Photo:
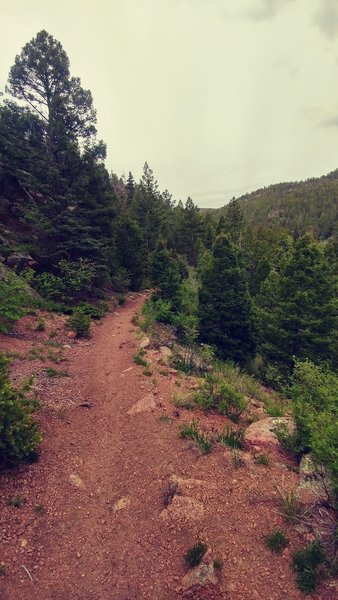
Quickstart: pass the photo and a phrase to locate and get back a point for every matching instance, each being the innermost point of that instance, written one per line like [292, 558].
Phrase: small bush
[183, 400]
[190, 431]
[19, 435]
[94, 311]
[306, 562]
[79, 322]
[121, 299]
[147, 371]
[232, 438]
[262, 459]
[218, 564]
[39, 510]
[15, 501]
[195, 555]
[216, 393]
[41, 325]
[139, 358]
[276, 541]
[290, 506]
[15, 297]
[237, 459]
[54, 373]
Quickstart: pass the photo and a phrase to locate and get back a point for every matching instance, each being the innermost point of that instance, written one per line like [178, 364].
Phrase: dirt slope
[104, 533]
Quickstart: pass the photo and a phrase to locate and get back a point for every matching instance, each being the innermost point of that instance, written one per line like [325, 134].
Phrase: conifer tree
[224, 304]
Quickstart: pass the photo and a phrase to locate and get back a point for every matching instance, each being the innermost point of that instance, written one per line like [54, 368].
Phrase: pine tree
[300, 318]
[224, 304]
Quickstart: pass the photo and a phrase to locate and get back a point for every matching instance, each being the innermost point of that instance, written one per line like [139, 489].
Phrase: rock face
[261, 435]
[20, 261]
[314, 484]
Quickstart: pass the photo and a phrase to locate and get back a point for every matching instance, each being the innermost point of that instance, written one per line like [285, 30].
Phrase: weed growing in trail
[16, 501]
[165, 419]
[190, 431]
[41, 325]
[39, 510]
[276, 541]
[2, 570]
[218, 564]
[237, 459]
[147, 371]
[194, 555]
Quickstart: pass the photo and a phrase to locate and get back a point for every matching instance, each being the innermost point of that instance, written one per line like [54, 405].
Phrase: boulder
[20, 261]
[261, 434]
[146, 404]
[314, 483]
[165, 354]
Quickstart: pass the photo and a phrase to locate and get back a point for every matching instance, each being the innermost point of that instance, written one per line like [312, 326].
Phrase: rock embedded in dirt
[165, 354]
[145, 343]
[201, 578]
[121, 504]
[76, 481]
[183, 508]
[262, 434]
[146, 404]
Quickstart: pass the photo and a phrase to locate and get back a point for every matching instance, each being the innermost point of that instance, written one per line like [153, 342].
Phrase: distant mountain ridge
[294, 206]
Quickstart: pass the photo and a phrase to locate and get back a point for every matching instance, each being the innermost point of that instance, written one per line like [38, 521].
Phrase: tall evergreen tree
[224, 304]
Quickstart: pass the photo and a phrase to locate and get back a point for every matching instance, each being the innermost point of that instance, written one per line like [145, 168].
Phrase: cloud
[265, 9]
[330, 122]
[326, 18]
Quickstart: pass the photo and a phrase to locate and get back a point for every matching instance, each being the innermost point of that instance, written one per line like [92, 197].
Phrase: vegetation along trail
[96, 522]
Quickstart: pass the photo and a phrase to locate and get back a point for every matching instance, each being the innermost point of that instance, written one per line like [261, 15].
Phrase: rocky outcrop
[20, 261]
[261, 434]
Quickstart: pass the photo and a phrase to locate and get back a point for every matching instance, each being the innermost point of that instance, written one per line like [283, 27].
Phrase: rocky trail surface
[94, 524]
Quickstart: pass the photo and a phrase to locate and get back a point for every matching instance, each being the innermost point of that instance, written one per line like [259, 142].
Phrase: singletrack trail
[103, 532]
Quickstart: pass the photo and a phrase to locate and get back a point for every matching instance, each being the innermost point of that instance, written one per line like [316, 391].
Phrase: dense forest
[256, 282]
[294, 207]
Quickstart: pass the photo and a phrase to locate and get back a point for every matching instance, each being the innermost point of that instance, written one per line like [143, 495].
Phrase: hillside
[296, 207]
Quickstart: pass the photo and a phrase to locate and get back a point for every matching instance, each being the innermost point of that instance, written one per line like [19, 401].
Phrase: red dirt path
[107, 538]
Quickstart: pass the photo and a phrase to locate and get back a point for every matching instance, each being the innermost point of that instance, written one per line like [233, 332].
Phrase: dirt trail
[104, 535]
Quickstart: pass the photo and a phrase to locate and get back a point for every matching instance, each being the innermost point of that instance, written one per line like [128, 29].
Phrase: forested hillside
[256, 287]
[297, 207]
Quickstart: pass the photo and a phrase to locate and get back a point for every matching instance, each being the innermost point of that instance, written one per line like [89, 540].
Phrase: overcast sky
[219, 96]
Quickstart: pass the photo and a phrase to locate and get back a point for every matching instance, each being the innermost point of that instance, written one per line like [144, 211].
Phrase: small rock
[145, 343]
[71, 335]
[86, 405]
[76, 481]
[121, 503]
[146, 404]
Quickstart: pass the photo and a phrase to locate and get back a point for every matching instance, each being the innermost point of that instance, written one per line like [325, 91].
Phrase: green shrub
[216, 393]
[191, 431]
[16, 501]
[276, 541]
[306, 562]
[195, 555]
[79, 322]
[232, 438]
[94, 311]
[262, 459]
[15, 298]
[19, 435]
[139, 358]
[121, 299]
[41, 325]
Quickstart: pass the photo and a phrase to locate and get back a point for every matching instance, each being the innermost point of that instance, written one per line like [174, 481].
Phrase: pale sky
[221, 97]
